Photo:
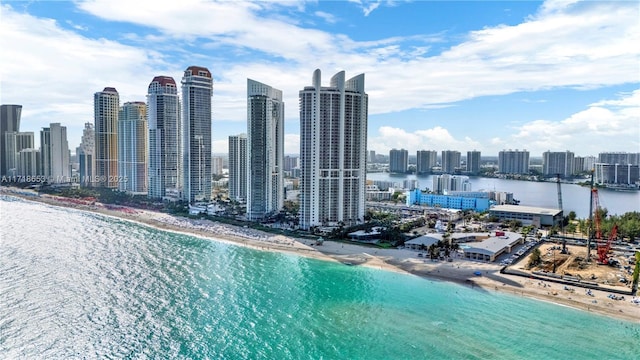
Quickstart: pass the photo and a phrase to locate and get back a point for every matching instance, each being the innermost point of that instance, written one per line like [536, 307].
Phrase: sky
[440, 75]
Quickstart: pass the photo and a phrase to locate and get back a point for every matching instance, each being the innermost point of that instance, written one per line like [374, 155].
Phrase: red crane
[603, 245]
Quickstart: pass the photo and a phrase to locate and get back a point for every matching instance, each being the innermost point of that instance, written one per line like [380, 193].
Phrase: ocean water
[80, 285]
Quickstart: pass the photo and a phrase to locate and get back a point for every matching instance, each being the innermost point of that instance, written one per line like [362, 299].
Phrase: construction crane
[605, 245]
[559, 191]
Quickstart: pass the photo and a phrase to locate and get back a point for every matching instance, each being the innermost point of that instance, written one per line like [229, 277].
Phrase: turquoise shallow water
[80, 285]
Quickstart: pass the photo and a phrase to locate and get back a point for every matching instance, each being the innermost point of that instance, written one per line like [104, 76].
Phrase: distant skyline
[486, 76]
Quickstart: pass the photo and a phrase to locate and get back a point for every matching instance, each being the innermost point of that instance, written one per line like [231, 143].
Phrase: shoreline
[397, 260]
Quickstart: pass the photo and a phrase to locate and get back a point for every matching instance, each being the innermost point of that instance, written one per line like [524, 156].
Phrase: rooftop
[526, 209]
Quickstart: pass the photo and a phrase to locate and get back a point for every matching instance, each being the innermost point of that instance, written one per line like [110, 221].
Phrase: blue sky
[441, 75]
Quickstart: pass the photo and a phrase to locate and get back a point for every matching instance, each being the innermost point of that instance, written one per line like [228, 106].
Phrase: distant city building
[54, 150]
[165, 140]
[106, 105]
[238, 167]
[333, 151]
[217, 165]
[29, 162]
[425, 160]
[85, 155]
[513, 162]
[442, 184]
[9, 122]
[265, 150]
[372, 156]
[473, 162]
[14, 142]
[621, 158]
[398, 161]
[616, 174]
[290, 162]
[410, 184]
[450, 161]
[132, 148]
[197, 89]
[558, 163]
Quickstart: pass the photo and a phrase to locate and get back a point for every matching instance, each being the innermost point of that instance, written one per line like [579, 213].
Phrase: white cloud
[291, 143]
[436, 138]
[603, 126]
[608, 125]
[330, 18]
[566, 44]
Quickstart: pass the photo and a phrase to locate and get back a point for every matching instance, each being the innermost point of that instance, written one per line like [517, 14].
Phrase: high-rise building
[14, 142]
[450, 161]
[163, 121]
[584, 163]
[217, 165]
[85, 154]
[621, 158]
[29, 162]
[9, 122]
[238, 167]
[290, 162]
[265, 150]
[54, 152]
[445, 183]
[425, 160]
[333, 151]
[554, 163]
[513, 162]
[197, 89]
[617, 174]
[372, 156]
[398, 161]
[106, 105]
[132, 148]
[473, 162]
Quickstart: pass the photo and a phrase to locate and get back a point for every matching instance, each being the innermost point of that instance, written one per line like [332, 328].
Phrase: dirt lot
[573, 264]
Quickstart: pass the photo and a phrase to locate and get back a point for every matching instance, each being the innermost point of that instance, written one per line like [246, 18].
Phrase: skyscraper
[425, 160]
[333, 151]
[163, 114]
[132, 148]
[14, 142]
[54, 150]
[9, 122]
[86, 155]
[106, 105]
[398, 161]
[238, 167]
[558, 163]
[473, 162]
[513, 162]
[450, 161]
[197, 88]
[265, 150]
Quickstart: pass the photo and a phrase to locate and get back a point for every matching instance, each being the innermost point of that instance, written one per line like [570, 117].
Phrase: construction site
[597, 262]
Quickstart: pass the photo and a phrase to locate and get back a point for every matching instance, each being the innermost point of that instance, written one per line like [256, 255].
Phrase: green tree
[535, 258]
[572, 215]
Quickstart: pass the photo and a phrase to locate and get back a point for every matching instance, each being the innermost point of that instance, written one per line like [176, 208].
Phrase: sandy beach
[400, 260]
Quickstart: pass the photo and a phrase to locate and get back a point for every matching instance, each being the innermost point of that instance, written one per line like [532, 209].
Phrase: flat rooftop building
[528, 215]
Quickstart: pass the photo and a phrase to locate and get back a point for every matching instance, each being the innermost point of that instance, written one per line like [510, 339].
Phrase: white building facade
[132, 148]
[238, 167]
[333, 151]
